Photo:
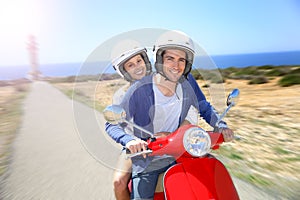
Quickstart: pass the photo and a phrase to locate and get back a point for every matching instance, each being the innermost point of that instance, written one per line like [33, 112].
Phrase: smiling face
[174, 62]
[136, 67]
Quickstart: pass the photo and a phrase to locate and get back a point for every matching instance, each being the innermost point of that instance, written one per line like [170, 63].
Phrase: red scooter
[197, 175]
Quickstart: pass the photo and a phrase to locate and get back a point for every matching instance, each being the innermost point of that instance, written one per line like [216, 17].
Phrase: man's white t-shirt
[167, 111]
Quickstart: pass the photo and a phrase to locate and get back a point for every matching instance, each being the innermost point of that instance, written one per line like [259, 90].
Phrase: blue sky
[69, 30]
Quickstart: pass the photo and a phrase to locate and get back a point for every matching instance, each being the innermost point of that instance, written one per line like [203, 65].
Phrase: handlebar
[137, 154]
[173, 141]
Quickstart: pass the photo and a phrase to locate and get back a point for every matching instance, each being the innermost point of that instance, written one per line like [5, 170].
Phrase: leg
[121, 178]
[144, 183]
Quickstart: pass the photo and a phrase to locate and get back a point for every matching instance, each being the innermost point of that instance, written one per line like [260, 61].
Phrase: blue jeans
[144, 183]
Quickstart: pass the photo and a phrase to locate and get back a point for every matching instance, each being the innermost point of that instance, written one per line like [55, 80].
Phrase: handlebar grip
[128, 151]
[138, 153]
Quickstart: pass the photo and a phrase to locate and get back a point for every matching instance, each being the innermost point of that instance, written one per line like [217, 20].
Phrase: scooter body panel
[199, 178]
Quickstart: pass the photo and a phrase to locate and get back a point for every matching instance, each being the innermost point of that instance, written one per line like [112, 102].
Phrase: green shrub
[212, 75]
[235, 156]
[243, 77]
[279, 150]
[196, 74]
[67, 79]
[278, 71]
[227, 73]
[289, 80]
[296, 71]
[258, 80]
[231, 69]
[249, 71]
[109, 76]
[266, 67]
[217, 79]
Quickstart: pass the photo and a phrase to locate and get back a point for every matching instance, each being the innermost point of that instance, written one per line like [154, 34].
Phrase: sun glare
[13, 18]
[19, 18]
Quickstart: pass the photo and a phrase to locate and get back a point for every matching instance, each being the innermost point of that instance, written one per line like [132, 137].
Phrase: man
[160, 103]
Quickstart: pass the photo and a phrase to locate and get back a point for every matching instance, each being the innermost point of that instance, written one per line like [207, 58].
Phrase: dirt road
[50, 160]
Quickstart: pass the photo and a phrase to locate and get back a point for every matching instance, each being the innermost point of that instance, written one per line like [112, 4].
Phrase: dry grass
[11, 98]
[267, 118]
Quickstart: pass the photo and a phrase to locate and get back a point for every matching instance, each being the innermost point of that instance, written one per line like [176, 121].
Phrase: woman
[131, 65]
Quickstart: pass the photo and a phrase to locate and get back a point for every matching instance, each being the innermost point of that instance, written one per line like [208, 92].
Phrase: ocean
[221, 61]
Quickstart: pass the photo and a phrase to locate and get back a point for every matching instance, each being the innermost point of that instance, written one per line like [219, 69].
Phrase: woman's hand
[136, 145]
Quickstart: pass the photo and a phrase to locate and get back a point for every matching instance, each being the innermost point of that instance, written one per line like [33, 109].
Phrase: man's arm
[206, 111]
[209, 113]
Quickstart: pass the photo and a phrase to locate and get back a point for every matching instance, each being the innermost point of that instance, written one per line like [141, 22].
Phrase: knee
[120, 183]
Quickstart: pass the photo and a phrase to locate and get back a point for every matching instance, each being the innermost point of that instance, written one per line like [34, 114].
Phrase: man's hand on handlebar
[227, 134]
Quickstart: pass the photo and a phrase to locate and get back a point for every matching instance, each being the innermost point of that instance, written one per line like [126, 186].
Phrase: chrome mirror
[114, 114]
[231, 101]
[232, 98]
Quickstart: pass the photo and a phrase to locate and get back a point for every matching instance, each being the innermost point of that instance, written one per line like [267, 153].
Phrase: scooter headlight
[196, 142]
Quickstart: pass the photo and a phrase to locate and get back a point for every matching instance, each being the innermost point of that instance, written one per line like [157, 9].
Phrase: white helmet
[175, 40]
[123, 52]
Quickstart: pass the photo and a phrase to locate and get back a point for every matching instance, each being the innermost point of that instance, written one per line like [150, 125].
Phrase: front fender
[199, 178]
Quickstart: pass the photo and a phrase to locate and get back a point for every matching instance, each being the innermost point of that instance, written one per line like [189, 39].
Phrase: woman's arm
[117, 133]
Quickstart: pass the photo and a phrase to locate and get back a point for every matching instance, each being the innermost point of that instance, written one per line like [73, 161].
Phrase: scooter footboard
[199, 178]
